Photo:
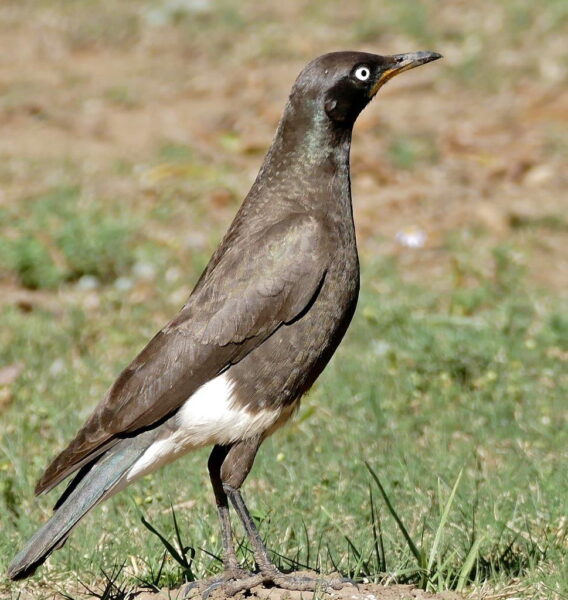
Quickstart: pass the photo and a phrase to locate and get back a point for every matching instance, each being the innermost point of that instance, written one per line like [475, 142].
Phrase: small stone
[87, 283]
[57, 367]
[173, 274]
[380, 347]
[123, 284]
[144, 270]
[539, 175]
[10, 373]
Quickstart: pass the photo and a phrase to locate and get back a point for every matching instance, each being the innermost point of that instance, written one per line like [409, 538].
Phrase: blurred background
[132, 130]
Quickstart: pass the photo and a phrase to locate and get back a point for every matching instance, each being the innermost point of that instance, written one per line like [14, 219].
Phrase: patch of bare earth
[367, 591]
[488, 159]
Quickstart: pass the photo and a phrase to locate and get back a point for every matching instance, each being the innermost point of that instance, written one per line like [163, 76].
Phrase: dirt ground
[361, 592]
[481, 163]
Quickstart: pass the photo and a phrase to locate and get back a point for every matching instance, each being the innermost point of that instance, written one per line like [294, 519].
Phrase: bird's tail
[89, 488]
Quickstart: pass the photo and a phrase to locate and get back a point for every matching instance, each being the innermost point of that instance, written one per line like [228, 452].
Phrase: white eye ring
[363, 73]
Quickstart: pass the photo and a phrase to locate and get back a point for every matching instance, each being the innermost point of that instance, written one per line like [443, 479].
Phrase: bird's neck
[311, 138]
[313, 155]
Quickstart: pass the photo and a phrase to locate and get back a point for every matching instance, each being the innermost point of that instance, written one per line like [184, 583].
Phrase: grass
[63, 238]
[408, 152]
[456, 401]
[433, 448]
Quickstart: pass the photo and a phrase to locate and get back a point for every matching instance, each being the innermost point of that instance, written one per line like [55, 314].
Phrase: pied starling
[259, 327]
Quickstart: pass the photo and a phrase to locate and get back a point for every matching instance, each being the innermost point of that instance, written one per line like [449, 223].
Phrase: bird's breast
[279, 371]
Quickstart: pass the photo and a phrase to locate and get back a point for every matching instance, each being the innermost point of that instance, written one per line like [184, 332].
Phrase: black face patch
[345, 100]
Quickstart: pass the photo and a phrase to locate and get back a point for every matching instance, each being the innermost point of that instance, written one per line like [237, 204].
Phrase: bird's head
[339, 85]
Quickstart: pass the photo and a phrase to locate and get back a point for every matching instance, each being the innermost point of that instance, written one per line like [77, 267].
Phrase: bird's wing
[258, 285]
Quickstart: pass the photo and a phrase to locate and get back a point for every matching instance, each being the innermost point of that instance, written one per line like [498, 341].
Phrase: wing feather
[251, 291]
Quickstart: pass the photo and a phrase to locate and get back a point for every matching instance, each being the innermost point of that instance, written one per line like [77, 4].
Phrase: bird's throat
[310, 157]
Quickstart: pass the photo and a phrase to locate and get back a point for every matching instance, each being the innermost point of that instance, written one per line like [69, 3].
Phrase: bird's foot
[204, 587]
[291, 581]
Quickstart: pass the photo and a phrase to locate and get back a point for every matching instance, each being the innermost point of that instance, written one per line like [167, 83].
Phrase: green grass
[433, 448]
[60, 236]
[428, 387]
[408, 152]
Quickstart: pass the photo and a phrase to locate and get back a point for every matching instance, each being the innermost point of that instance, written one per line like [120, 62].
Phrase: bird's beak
[397, 63]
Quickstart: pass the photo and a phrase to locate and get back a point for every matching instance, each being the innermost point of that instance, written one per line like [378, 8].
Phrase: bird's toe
[308, 582]
[205, 587]
[233, 581]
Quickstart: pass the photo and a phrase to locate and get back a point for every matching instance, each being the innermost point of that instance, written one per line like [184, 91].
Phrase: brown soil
[490, 159]
[366, 591]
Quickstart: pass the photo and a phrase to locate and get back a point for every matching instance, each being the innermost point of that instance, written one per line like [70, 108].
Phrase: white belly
[210, 416]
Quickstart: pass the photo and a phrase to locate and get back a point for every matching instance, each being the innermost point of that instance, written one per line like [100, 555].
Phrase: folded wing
[254, 287]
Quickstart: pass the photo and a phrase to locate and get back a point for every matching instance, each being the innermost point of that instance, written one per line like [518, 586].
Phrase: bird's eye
[363, 73]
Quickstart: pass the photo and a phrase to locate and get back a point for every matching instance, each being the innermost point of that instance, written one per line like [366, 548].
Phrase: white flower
[411, 237]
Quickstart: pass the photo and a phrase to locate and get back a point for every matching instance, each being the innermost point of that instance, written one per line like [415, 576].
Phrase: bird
[260, 325]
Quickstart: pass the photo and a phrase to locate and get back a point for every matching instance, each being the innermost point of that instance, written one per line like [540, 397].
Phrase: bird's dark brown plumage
[268, 312]
[239, 303]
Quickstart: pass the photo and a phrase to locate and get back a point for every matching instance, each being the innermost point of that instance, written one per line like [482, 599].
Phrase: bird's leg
[269, 573]
[234, 471]
[215, 463]
[261, 558]
[232, 569]
[235, 464]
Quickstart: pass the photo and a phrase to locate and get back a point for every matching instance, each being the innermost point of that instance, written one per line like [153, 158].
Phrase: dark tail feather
[95, 485]
[71, 486]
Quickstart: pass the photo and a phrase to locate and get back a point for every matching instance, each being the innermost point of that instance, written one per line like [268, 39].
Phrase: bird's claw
[309, 583]
[292, 582]
[205, 587]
